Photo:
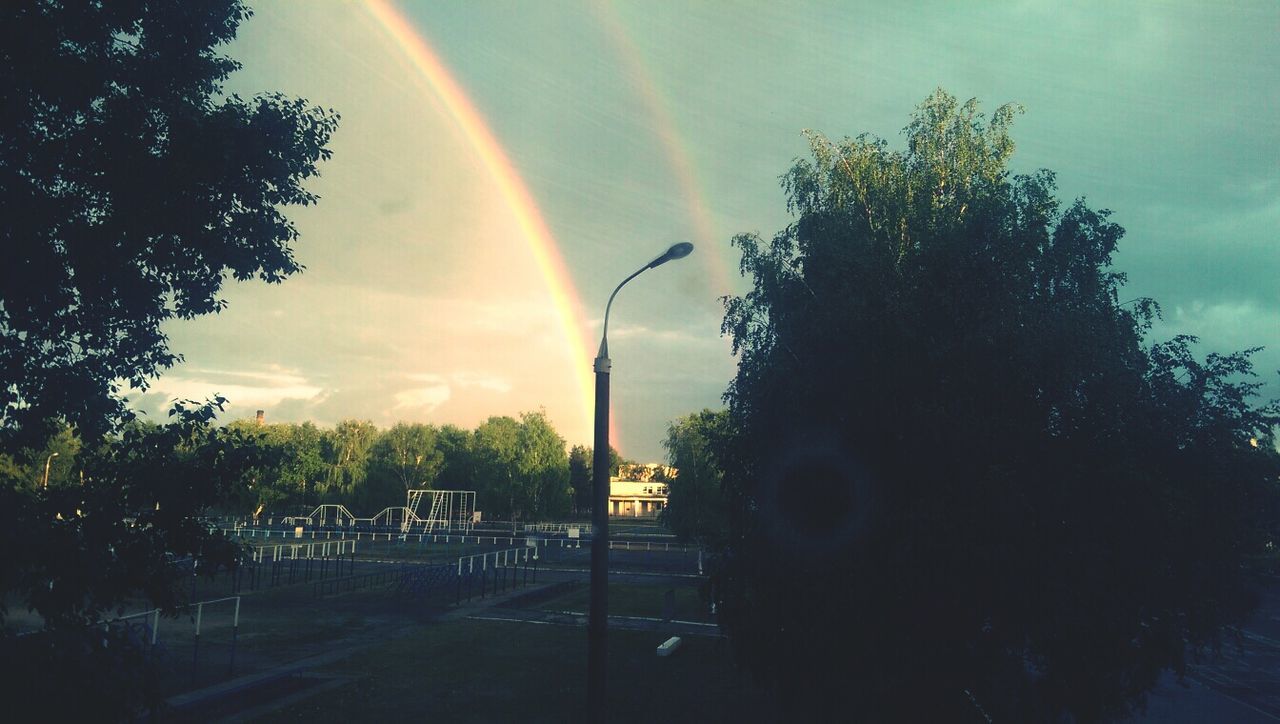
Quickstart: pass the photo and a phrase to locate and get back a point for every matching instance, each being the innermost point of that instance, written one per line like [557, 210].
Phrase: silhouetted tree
[130, 188]
[580, 475]
[457, 470]
[78, 554]
[959, 484]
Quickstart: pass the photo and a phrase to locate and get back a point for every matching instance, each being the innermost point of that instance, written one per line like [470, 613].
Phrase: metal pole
[598, 614]
[597, 620]
[46, 468]
[235, 630]
[195, 648]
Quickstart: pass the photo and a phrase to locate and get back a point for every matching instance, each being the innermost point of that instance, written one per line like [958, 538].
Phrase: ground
[505, 671]
[518, 653]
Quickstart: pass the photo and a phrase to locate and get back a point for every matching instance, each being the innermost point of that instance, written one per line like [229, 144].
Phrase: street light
[46, 468]
[597, 618]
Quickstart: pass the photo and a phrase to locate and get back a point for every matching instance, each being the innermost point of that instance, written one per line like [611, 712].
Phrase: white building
[639, 491]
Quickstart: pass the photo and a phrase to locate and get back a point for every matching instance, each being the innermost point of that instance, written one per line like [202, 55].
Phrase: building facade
[639, 491]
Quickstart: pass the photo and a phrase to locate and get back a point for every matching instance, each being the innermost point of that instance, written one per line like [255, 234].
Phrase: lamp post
[46, 468]
[597, 618]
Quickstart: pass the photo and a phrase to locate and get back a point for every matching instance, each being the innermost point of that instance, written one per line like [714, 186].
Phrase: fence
[470, 576]
[144, 631]
[334, 586]
[543, 541]
[493, 578]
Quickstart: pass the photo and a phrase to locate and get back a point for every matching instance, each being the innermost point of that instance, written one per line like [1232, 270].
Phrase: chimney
[260, 417]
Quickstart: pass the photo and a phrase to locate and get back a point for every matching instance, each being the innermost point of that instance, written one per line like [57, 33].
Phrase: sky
[501, 166]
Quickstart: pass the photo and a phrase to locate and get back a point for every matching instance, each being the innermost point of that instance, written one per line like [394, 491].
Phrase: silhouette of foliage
[130, 188]
[580, 472]
[80, 554]
[959, 484]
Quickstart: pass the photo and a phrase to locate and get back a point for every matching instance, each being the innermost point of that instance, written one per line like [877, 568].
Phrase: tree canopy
[961, 483]
[695, 508]
[131, 186]
[521, 468]
[581, 463]
[82, 552]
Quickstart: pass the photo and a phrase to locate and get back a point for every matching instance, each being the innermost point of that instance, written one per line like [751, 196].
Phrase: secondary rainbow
[711, 248]
[546, 254]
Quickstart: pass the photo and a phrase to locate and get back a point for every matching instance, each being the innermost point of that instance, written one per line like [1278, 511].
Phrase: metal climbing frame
[324, 515]
[394, 516]
[450, 510]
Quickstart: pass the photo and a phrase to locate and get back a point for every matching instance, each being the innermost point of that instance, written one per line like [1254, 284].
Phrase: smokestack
[261, 416]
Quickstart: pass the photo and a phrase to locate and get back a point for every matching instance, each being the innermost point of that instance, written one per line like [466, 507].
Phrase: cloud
[425, 398]
[1230, 326]
[642, 332]
[492, 383]
[274, 375]
[434, 390]
[242, 389]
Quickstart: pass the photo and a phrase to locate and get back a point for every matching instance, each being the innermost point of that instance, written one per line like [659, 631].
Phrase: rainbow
[546, 253]
[711, 251]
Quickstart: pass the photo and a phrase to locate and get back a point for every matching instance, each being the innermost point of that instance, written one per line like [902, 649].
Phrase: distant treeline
[519, 467]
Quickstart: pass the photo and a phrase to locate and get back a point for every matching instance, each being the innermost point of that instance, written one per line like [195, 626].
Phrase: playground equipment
[449, 510]
[324, 515]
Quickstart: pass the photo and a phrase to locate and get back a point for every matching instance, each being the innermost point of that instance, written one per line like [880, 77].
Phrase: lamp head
[677, 251]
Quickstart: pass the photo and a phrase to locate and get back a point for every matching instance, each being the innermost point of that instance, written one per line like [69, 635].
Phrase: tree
[954, 455]
[580, 475]
[130, 187]
[457, 468]
[293, 464]
[543, 466]
[521, 467]
[263, 490]
[695, 510]
[404, 457]
[116, 537]
[303, 467]
[346, 450]
[495, 450]
[59, 450]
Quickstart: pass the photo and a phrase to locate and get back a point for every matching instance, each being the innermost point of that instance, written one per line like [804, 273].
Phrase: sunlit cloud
[272, 388]
[274, 375]
[425, 398]
[661, 335]
[482, 381]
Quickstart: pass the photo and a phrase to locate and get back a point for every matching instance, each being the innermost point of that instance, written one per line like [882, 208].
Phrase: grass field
[403, 662]
[498, 671]
[628, 599]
